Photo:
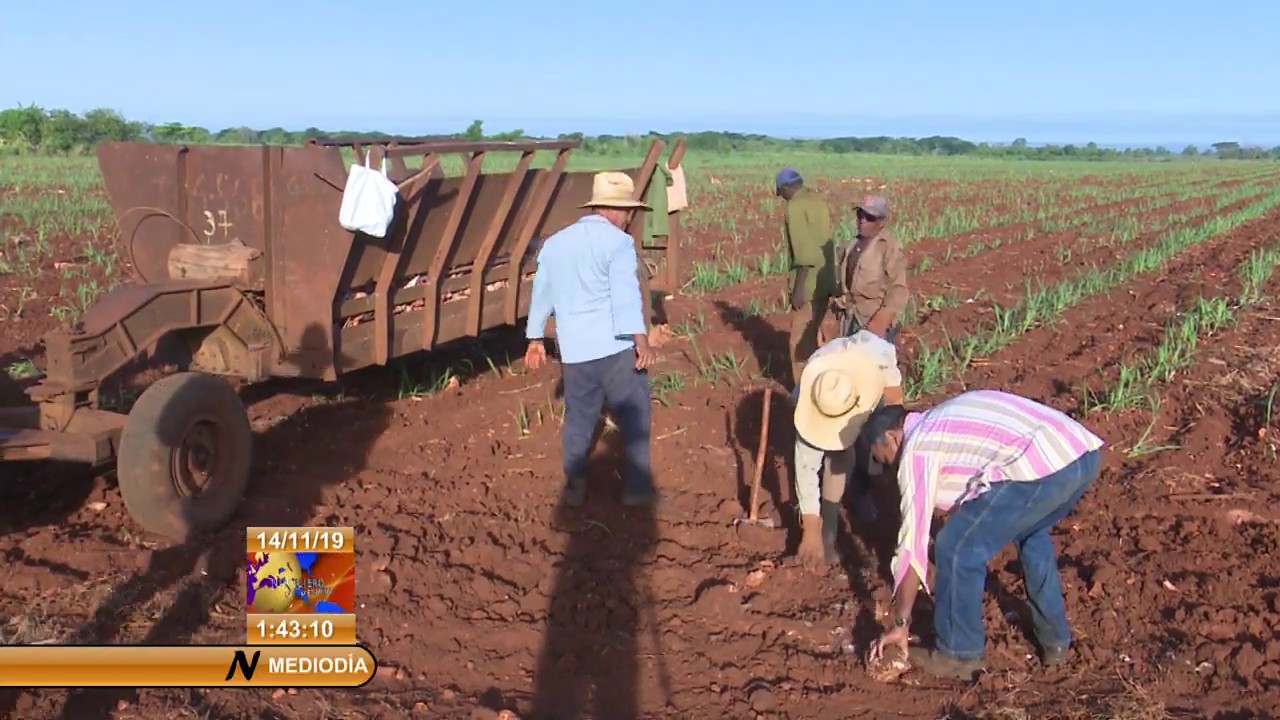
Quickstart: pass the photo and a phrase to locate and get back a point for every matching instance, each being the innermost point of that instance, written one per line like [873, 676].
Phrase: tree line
[31, 129]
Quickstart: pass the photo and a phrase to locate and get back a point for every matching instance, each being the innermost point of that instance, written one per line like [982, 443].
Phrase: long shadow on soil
[769, 344]
[744, 433]
[37, 494]
[601, 601]
[291, 472]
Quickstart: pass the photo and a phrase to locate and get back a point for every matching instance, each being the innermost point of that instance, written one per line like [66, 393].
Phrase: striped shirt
[955, 451]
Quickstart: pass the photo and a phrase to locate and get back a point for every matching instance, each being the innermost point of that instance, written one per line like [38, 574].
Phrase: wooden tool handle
[760, 452]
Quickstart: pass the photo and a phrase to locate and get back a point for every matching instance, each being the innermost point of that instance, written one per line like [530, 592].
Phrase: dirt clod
[890, 666]
[762, 700]
[1247, 661]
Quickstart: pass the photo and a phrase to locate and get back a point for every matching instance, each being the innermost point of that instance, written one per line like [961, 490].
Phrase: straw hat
[615, 190]
[836, 394]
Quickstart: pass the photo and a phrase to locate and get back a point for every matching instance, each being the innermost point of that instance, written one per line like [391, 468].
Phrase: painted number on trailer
[213, 222]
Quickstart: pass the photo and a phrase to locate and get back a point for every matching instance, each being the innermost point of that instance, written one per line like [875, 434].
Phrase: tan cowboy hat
[838, 390]
[615, 190]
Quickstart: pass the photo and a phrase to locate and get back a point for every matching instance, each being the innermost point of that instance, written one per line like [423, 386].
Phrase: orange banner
[185, 666]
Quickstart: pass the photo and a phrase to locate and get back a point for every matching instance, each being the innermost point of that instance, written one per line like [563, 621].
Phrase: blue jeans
[612, 382]
[1017, 512]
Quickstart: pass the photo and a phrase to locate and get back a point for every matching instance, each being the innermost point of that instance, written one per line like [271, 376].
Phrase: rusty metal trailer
[239, 261]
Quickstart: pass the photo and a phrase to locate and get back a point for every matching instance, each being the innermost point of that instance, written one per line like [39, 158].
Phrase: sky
[1132, 72]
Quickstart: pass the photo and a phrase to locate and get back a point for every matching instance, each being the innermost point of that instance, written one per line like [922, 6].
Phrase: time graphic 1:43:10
[296, 630]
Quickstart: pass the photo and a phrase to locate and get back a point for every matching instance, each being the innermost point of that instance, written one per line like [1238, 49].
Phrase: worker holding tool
[872, 275]
[587, 278]
[871, 294]
[843, 382]
[1006, 469]
[812, 244]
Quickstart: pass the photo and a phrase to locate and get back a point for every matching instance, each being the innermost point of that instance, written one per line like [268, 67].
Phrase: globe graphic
[274, 584]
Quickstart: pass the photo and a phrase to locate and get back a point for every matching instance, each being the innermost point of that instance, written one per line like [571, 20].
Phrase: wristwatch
[900, 622]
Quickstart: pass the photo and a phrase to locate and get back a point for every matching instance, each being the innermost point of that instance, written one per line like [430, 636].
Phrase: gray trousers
[820, 475]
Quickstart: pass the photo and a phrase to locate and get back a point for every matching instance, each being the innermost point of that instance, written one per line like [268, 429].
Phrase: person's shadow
[769, 344]
[601, 605]
[744, 434]
[288, 480]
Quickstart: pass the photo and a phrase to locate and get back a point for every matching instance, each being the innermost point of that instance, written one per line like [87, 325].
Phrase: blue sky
[1133, 72]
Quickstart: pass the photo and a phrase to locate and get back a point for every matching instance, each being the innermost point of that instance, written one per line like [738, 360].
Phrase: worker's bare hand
[645, 355]
[896, 637]
[536, 355]
[810, 553]
[812, 557]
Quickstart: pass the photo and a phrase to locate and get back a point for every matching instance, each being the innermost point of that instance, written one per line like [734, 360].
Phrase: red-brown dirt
[480, 593]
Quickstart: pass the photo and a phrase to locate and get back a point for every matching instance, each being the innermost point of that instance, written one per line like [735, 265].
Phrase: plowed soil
[478, 592]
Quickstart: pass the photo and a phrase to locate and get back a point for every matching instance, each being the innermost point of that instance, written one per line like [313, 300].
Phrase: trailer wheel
[184, 457]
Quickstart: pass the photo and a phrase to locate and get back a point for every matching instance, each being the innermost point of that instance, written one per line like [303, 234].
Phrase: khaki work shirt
[873, 275]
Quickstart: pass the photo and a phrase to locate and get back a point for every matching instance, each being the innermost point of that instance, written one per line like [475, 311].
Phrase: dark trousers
[851, 326]
[611, 382]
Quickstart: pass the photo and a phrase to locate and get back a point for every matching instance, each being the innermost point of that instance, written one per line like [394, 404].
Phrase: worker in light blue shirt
[587, 278]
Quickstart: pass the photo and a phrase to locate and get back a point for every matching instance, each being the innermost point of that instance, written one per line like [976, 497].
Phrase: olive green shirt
[657, 222]
[812, 243]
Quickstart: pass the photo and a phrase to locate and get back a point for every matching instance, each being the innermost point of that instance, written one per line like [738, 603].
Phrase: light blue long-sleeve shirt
[587, 278]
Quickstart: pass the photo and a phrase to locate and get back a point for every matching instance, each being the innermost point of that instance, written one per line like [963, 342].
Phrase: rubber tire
[152, 433]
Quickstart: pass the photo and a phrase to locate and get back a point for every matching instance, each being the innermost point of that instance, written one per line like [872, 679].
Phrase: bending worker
[812, 244]
[1007, 469]
[842, 383]
[872, 271]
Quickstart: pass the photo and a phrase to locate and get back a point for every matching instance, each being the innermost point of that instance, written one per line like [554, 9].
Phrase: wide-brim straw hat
[614, 190]
[837, 392]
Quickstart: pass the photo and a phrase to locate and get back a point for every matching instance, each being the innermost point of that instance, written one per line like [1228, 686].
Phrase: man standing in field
[842, 383]
[1007, 469]
[872, 275]
[587, 278]
[812, 244]
[872, 295]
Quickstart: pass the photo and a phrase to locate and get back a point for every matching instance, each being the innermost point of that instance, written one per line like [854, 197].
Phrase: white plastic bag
[369, 199]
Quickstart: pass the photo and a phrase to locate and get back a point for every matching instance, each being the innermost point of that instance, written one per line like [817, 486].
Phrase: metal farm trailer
[239, 262]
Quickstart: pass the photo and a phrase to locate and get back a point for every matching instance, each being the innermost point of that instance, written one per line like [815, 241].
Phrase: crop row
[718, 275]
[935, 367]
[736, 209]
[1136, 380]
[1119, 234]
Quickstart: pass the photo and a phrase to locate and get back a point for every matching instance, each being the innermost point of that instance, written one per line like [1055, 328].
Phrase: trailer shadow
[495, 351]
[293, 471]
[41, 493]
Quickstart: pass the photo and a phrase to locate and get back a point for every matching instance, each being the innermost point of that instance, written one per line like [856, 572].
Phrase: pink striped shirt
[956, 450]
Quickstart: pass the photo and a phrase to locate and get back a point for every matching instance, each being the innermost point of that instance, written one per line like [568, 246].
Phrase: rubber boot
[830, 512]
